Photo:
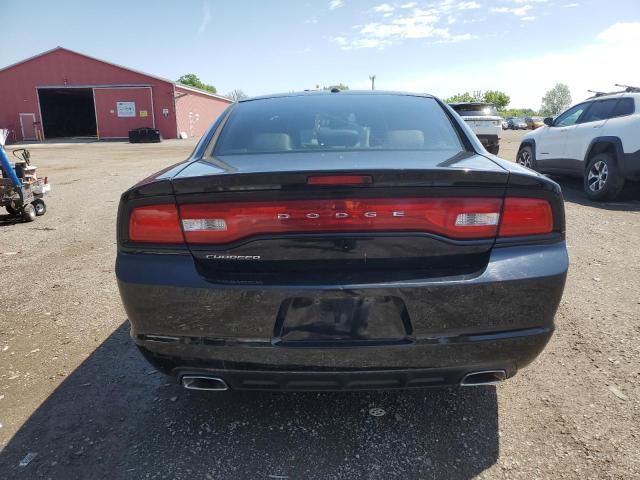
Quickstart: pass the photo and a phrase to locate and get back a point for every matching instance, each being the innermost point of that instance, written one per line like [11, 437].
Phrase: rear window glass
[476, 110]
[337, 122]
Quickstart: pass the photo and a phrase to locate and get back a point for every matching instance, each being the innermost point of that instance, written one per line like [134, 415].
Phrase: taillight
[525, 216]
[459, 218]
[155, 224]
[456, 218]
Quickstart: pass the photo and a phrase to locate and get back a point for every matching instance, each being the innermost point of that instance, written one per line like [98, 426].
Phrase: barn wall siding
[196, 112]
[64, 68]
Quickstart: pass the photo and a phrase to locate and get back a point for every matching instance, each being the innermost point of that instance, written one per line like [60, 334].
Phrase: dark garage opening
[68, 112]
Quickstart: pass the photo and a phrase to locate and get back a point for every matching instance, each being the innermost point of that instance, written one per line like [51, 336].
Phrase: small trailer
[21, 191]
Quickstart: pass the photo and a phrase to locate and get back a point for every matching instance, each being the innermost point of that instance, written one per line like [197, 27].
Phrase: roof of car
[330, 92]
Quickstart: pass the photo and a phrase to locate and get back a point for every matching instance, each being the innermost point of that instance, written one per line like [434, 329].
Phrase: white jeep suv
[484, 121]
[598, 140]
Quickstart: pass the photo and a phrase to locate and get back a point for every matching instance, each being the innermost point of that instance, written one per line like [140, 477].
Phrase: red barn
[61, 93]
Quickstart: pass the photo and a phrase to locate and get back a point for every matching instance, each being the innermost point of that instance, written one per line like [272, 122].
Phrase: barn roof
[187, 87]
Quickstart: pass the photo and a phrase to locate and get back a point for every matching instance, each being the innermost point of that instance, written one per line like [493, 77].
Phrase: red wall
[110, 125]
[63, 67]
[204, 110]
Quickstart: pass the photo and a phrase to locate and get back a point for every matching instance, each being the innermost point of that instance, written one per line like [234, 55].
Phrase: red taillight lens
[461, 218]
[339, 180]
[526, 216]
[155, 224]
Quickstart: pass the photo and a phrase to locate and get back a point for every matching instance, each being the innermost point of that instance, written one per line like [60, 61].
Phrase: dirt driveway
[78, 401]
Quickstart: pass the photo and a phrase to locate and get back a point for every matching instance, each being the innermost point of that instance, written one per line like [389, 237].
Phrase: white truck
[484, 121]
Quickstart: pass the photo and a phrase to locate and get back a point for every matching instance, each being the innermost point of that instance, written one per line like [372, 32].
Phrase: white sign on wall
[126, 109]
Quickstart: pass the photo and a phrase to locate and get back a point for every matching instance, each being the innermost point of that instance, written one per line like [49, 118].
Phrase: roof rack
[627, 89]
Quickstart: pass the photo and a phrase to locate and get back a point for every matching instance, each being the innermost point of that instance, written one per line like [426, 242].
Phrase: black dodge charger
[341, 241]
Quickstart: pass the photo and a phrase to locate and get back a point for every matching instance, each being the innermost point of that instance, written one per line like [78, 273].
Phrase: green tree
[497, 98]
[192, 80]
[461, 97]
[339, 86]
[556, 100]
[518, 112]
[236, 95]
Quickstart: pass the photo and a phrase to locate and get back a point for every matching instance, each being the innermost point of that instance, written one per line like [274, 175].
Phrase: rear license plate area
[342, 321]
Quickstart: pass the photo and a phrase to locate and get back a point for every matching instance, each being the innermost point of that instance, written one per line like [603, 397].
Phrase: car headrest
[404, 139]
[332, 137]
[271, 142]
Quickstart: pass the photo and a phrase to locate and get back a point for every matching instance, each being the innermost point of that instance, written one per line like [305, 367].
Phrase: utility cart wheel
[29, 213]
[40, 206]
[11, 210]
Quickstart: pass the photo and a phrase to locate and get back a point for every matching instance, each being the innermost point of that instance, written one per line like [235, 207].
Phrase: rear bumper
[488, 139]
[500, 318]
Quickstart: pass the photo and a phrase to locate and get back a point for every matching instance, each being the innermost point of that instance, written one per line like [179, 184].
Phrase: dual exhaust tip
[473, 379]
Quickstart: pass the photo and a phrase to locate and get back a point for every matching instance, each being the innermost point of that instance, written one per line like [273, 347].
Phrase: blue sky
[442, 47]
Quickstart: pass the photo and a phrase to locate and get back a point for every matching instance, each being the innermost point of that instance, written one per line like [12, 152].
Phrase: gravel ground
[78, 401]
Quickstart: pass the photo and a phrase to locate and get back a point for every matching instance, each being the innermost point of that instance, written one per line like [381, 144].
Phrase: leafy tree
[339, 86]
[556, 100]
[497, 98]
[192, 80]
[461, 97]
[518, 112]
[236, 95]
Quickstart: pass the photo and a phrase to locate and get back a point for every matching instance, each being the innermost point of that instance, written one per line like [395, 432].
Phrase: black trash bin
[144, 135]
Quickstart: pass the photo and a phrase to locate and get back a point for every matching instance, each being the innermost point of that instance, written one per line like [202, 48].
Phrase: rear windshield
[337, 122]
[476, 110]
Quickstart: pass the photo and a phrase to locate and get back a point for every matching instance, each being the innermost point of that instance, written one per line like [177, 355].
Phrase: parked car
[341, 241]
[485, 122]
[517, 123]
[534, 122]
[596, 140]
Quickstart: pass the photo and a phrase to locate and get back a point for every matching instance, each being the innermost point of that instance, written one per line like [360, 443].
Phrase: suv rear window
[475, 110]
[337, 122]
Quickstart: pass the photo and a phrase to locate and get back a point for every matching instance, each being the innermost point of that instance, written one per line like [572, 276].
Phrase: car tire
[602, 179]
[40, 206]
[493, 149]
[29, 213]
[525, 157]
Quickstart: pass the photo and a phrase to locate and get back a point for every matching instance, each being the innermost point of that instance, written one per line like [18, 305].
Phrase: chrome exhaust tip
[485, 377]
[200, 382]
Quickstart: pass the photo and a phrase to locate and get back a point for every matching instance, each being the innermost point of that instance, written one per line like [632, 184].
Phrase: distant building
[61, 93]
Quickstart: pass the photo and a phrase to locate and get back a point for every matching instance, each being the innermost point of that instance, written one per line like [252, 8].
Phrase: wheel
[29, 213]
[602, 179]
[525, 157]
[11, 210]
[40, 206]
[493, 149]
